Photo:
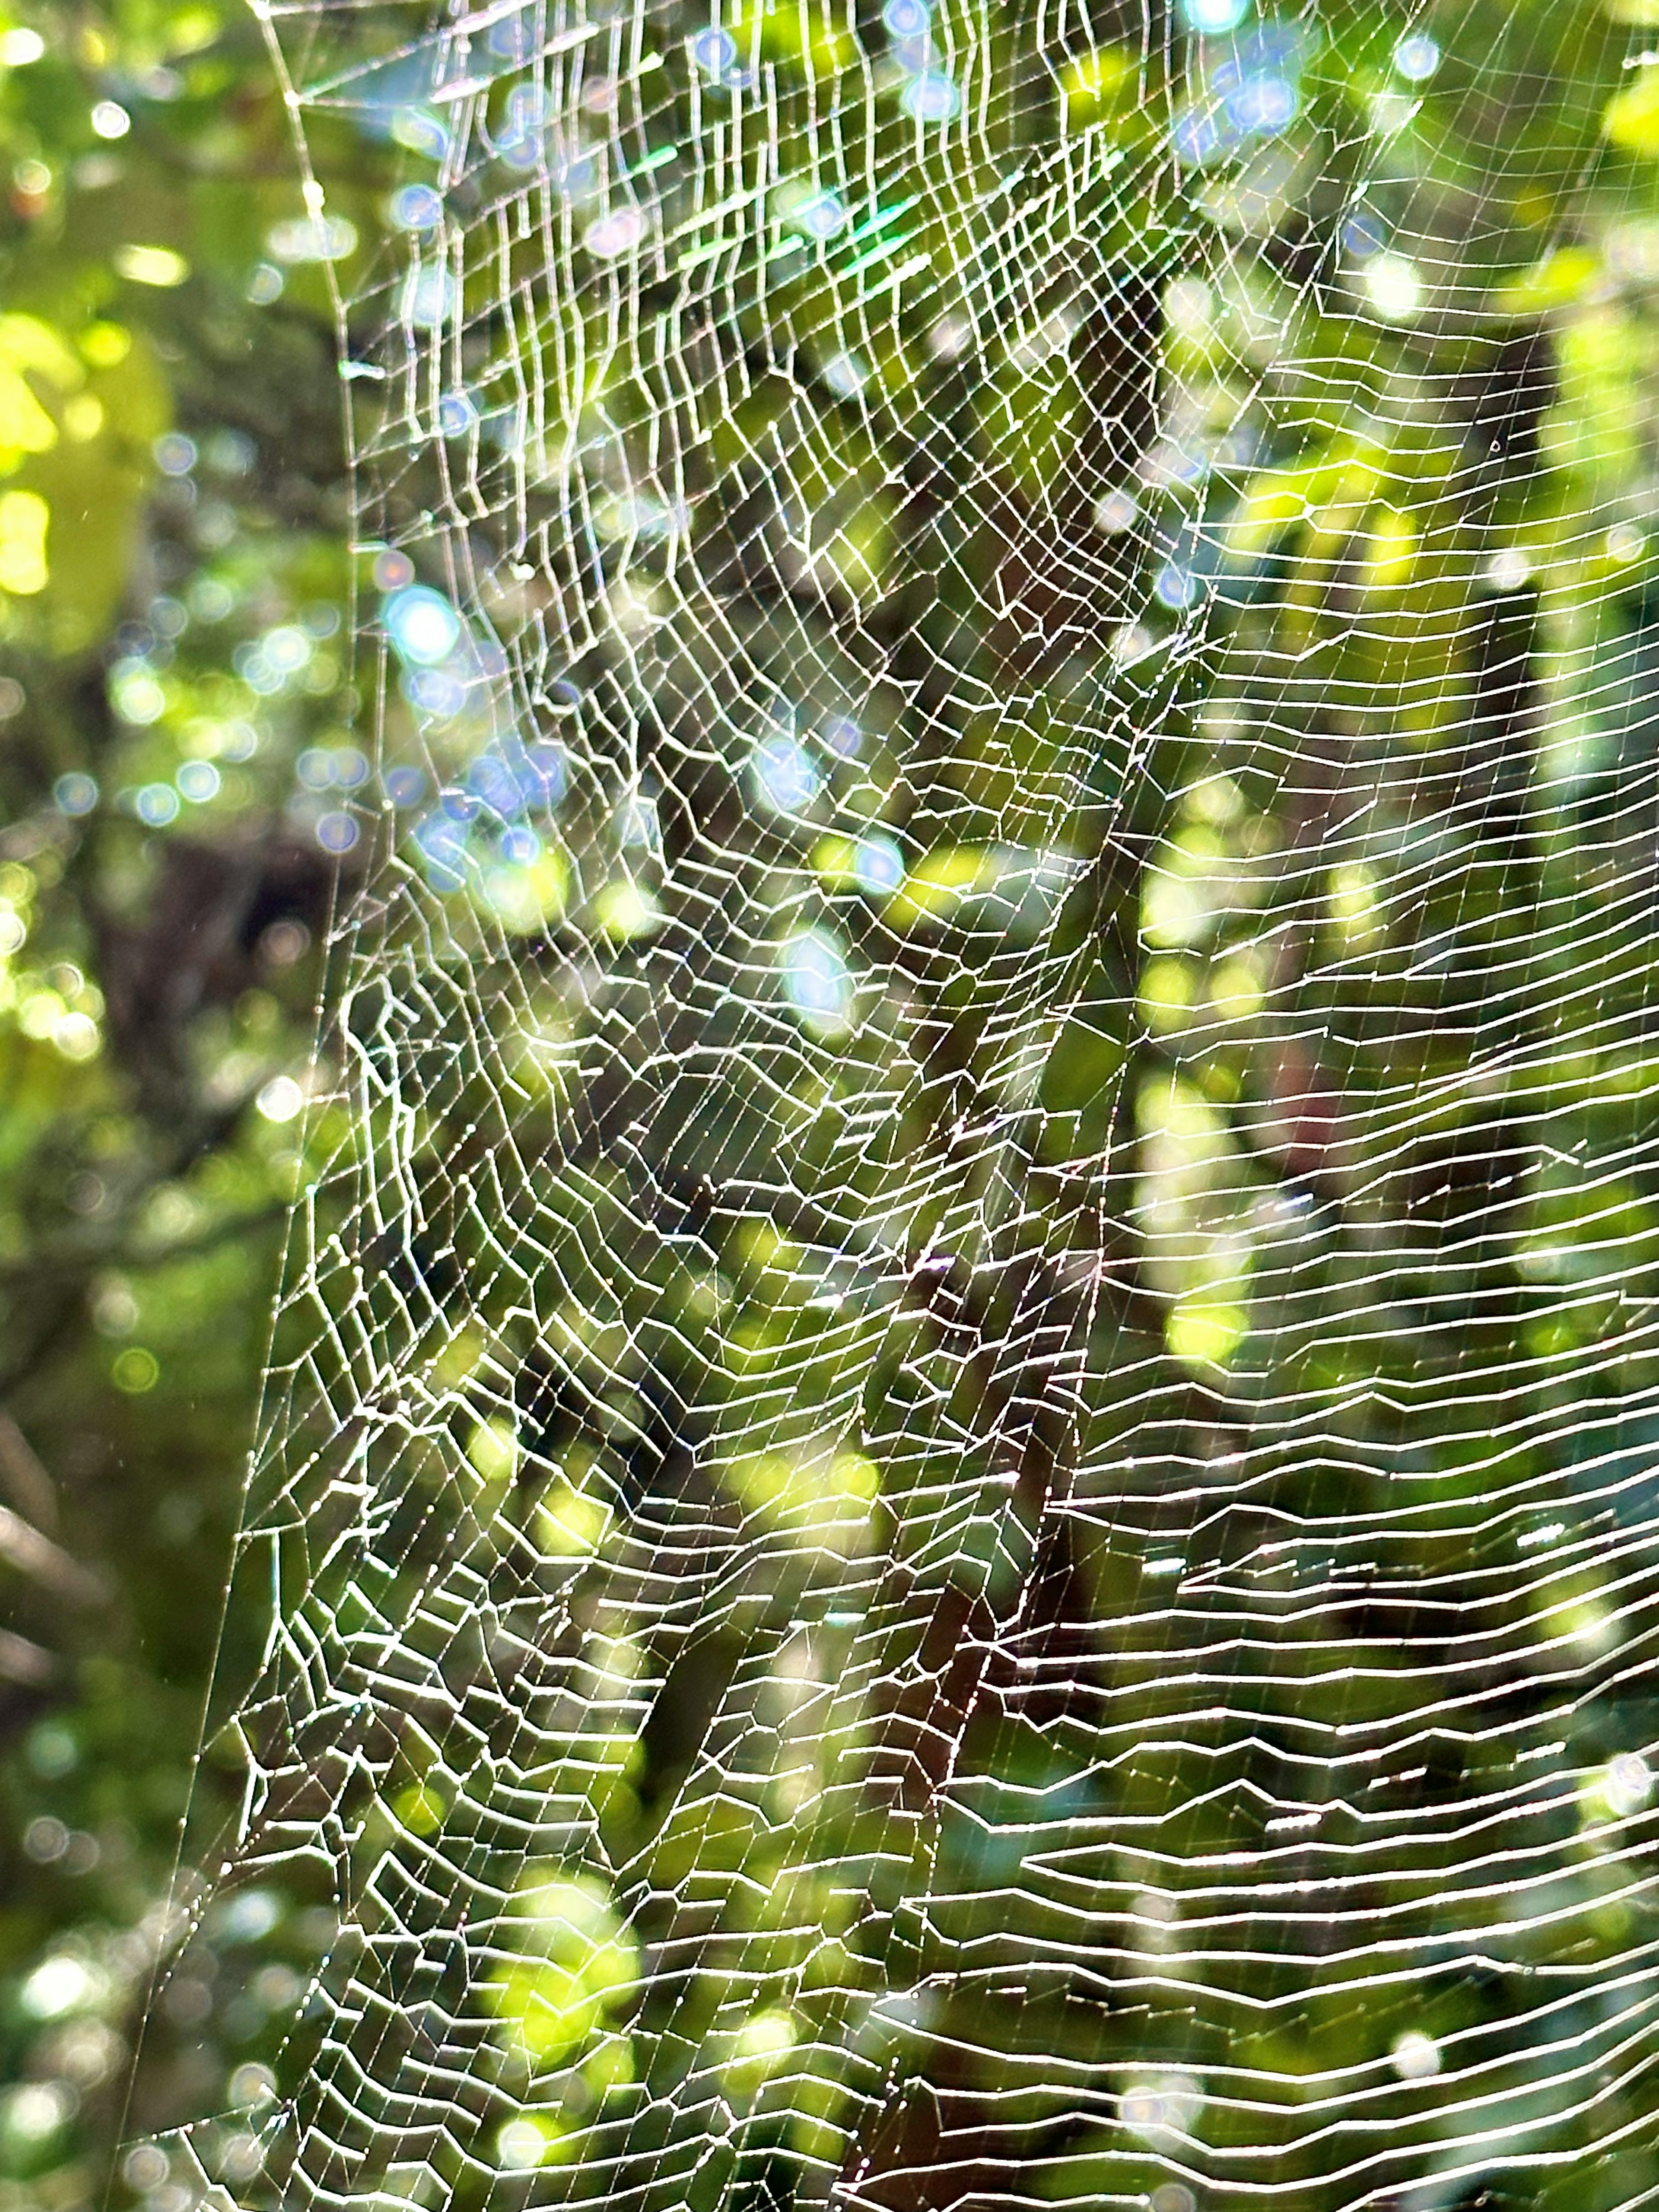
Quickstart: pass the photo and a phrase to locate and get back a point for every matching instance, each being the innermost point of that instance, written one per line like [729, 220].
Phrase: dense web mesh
[957, 1500]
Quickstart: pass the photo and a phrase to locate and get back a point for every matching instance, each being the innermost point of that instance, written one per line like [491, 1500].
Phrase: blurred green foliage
[174, 611]
[1464, 420]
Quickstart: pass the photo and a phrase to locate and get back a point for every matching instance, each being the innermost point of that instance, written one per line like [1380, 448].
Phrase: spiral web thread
[956, 1503]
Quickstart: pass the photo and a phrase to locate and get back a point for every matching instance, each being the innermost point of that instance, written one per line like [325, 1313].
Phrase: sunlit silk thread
[818, 982]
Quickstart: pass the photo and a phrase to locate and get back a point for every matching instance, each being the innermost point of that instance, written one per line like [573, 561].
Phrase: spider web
[956, 1503]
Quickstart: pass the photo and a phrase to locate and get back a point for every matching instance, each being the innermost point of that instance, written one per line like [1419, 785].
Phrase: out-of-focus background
[180, 739]
[177, 725]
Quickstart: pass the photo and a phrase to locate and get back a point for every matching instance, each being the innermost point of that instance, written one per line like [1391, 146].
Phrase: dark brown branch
[33, 1490]
[23, 1547]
